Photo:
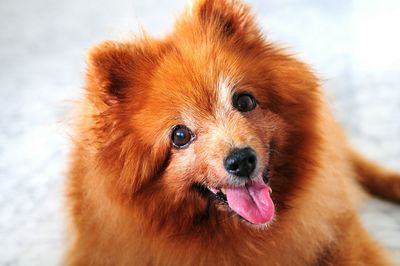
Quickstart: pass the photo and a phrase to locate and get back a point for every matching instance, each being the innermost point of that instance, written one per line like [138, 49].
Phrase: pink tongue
[252, 202]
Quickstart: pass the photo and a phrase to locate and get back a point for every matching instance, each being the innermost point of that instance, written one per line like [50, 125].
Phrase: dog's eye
[181, 136]
[244, 102]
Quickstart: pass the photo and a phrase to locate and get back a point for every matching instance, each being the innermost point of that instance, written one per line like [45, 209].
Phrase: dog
[213, 146]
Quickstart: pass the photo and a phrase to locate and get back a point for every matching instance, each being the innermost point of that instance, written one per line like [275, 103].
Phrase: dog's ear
[116, 68]
[118, 74]
[228, 17]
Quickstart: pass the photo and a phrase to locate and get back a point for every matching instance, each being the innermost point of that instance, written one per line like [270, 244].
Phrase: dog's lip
[221, 189]
[220, 193]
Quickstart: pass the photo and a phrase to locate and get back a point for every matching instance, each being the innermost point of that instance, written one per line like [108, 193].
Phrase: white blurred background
[353, 45]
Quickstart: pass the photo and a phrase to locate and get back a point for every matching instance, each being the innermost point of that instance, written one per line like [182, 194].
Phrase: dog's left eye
[182, 136]
[244, 102]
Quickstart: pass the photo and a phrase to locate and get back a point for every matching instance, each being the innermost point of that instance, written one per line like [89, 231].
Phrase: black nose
[241, 162]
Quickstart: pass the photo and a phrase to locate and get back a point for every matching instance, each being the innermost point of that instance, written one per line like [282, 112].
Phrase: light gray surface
[352, 44]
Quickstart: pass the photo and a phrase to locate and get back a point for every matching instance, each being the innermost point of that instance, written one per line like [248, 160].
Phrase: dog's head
[204, 123]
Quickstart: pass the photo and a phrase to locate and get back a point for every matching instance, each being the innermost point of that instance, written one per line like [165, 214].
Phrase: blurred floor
[353, 46]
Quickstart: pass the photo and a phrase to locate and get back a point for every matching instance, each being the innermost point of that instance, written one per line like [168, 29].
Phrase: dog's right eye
[182, 136]
[244, 102]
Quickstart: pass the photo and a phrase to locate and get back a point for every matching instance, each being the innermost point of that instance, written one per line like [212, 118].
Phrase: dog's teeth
[213, 190]
[223, 190]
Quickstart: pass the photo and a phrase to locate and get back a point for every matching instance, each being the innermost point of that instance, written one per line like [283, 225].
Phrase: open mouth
[251, 201]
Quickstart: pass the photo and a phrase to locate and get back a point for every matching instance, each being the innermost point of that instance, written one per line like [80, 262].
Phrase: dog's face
[201, 125]
[218, 134]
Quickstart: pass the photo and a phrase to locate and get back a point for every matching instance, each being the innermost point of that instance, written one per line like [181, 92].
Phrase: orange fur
[130, 192]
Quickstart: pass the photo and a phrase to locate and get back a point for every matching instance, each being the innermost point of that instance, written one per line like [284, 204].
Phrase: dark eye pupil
[245, 103]
[181, 136]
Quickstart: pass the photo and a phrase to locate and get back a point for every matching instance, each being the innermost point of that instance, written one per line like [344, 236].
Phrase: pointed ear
[118, 72]
[114, 69]
[228, 17]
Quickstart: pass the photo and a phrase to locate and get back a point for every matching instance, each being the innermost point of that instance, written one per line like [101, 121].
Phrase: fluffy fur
[131, 194]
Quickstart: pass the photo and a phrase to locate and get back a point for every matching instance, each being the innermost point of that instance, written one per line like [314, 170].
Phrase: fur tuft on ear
[228, 17]
[115, 68]
[110, 69]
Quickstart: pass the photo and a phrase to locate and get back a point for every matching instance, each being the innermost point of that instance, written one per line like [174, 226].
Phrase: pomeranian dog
[212, 146]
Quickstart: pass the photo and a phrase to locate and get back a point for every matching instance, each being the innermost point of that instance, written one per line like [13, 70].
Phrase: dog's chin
[249, 202]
